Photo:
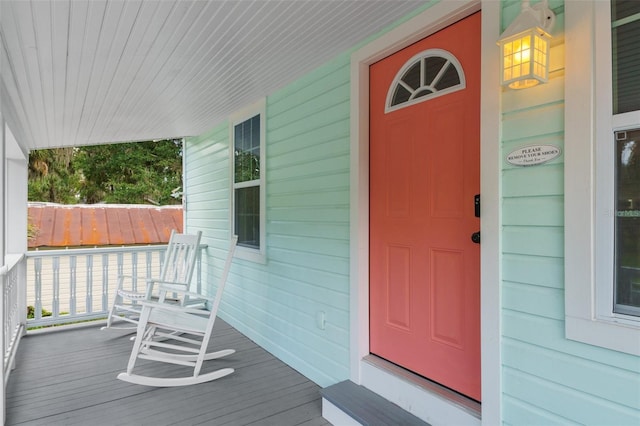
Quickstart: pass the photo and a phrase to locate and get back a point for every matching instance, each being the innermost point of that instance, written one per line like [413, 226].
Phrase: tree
[126, 173]
[52, 176]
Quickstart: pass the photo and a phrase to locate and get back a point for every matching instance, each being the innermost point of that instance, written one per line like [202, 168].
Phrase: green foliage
[52, 176]
[126, 173]
[32, 230]
[247, 166]
[31, 312]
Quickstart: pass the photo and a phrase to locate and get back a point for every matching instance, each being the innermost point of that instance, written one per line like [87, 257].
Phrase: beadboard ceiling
[81, 72]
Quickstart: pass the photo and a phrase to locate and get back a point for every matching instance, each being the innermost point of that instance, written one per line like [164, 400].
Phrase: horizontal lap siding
[281, 305]
[548, 379]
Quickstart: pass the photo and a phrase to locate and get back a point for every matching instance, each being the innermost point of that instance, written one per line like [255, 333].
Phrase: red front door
[424, 174]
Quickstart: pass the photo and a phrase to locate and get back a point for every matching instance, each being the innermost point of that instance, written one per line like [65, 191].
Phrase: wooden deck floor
[69, 378]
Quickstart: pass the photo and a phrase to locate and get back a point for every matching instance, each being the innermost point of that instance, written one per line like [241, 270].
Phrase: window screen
[625, 27]
[627, 222]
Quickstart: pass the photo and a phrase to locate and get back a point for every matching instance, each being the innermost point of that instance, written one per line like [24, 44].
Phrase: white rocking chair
[162, 336]
[177, 270]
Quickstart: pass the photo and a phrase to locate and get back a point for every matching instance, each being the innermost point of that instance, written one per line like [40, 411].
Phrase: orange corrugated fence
[57, 225]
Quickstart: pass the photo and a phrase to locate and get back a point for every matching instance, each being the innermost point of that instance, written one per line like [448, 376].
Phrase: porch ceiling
[81, 72]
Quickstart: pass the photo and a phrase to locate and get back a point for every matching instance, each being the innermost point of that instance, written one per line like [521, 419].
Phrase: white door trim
[417, 28]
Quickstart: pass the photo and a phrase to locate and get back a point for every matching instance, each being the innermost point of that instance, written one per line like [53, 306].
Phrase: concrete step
[347, 401]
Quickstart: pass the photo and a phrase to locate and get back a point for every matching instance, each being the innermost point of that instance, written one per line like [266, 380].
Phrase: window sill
[615, 334]
[252, 255]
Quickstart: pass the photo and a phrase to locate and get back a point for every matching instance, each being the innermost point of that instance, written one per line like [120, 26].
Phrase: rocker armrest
[193, 295]
[130, 277]
[148, 286]
[173, 308]
[168, 288]
[171, 285]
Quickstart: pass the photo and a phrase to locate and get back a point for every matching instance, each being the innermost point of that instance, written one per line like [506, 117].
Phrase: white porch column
[16, 184]
[16, 214]
[3, 188]
[3, 227]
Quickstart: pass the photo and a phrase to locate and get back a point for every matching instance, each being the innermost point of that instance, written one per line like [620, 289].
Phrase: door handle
[475, 237]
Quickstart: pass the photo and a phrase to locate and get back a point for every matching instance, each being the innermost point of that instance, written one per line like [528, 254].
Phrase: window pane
[247, 216]
[450, 78]
[433, 65]
[621, 9]
[412, 76]
[627, 256]
[626, 56]
[247, 150]
[400, 96]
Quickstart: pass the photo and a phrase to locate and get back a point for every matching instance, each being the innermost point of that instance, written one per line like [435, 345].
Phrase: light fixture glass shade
[525, 58]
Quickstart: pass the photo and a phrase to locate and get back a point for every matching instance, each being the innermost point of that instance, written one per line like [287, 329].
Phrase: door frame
[420, 26]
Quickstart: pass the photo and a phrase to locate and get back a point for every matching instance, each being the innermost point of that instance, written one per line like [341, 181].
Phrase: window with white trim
[626, 296]
[602, 174]
[247, 135]
[625, 143]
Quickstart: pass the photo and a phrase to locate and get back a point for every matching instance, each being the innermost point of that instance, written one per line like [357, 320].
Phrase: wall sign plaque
[533, 155]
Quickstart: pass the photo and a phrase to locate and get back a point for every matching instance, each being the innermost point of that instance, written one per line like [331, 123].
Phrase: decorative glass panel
[627, 236]
[412, 76]
[401, 95]
[626, 55]
[429, 74]
[432, 66]
[449, 78]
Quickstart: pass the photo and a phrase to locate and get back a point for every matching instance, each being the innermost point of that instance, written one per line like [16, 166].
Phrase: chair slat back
[225, 274]
[180, 258]
[219, 291]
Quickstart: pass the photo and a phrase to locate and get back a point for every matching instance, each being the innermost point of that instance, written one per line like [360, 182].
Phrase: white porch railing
[73, 285]
[13, 308]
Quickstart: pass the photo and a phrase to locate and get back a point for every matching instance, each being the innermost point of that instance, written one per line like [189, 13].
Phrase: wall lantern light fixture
[524, 47]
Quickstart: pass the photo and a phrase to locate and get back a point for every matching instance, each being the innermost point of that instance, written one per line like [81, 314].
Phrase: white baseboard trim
[433, 407]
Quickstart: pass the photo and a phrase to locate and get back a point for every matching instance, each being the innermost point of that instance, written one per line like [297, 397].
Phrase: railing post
[134, 271]
[72, 285]
[12, 309]
[105, 282]
[3, 311]
[22, 295]
[149, 262]
[3, 318]
[120, 266]
[55, 309]
[37, 309]
[10, 314]
[89, 287]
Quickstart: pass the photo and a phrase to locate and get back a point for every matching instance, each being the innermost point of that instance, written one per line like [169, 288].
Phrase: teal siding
[548, 379]
[280, 305]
